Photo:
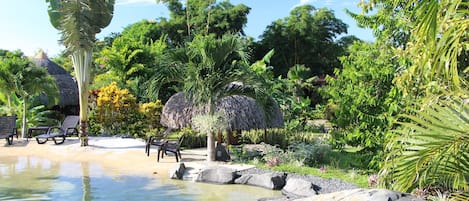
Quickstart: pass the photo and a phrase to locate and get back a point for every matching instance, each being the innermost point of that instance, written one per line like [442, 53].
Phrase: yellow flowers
[114, 107]
[152, 113]
[114, 98]
[117, 111]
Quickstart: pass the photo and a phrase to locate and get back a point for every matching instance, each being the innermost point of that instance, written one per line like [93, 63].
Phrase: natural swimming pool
[35, 178]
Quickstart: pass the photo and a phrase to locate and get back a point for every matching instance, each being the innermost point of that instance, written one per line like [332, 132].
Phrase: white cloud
[304, 2]
[129, 2]
[329, 2]
[350, 3]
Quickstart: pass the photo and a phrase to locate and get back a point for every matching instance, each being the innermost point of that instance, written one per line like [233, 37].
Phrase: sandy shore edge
[123, 156]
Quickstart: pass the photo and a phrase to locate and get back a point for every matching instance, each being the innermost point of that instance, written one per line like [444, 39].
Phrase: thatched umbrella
[68, 88]
[242, 113]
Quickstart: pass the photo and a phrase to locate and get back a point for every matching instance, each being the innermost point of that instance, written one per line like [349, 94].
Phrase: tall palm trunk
[23, 128]
[210, 137]
[86, 182]
[10, 112]
[81, 61]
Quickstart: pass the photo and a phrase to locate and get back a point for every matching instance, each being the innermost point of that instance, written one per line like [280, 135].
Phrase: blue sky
[25, 23]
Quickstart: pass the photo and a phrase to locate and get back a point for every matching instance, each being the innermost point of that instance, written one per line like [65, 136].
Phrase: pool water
[34, 178]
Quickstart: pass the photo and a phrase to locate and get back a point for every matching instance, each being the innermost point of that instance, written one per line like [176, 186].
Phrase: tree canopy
[306, 37]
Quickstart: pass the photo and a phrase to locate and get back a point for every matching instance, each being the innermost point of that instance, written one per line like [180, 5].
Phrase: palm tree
[7, 78]
[431, 147]
[26, 81]
[79, 21]
[432, 144]
[34, 82]
[437, 39]
[207, 70]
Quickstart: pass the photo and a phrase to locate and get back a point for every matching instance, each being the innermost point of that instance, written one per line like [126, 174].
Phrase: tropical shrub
[363, 99]
[35, 115]
[310, 154]
[192, 138]
[278, 136]
[151, 113]
[295, 97]
[116, 109]
[300, 154]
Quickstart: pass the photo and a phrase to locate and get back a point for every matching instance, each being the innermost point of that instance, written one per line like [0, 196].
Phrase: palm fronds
[431, 147]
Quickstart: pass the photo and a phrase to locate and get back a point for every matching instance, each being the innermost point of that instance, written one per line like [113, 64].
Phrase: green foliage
[22, 79]
[301, 154]
[205, 17]
[210, 124]
[306, 37]
[293, 94]
[72, 17]
[35, 115]
[131, 61]
[363, 99]
[192, 138]
[430, 147]
[311, 154]
[278, 136]
[391, 25]
[103, 80]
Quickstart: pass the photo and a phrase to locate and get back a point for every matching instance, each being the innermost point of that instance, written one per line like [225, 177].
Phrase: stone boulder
[217, 174]
[271, 180]
[361, 194]
[299, 188]
[177, 172]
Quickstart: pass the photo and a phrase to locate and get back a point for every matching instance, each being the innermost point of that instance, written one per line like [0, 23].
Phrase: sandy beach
[124, 155]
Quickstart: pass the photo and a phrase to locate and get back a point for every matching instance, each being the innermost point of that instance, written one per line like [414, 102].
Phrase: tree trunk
[210, 147]
[86, 182]
[210, 136]
[23, 129]
[81, 61]
[10, 111]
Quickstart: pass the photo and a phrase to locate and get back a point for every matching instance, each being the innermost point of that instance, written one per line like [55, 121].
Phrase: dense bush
[278, 136]
[151, 115]
[116, 109]
[192, 139]
[362, 99]
[309, 154]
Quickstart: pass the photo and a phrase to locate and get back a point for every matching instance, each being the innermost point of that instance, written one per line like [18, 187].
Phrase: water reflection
[13, 170]
[33, 178]
[85, 181]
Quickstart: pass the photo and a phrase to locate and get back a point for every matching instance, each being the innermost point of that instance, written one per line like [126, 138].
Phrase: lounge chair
[58, 134]
[158, 140]
[173, 147]
[8, 128]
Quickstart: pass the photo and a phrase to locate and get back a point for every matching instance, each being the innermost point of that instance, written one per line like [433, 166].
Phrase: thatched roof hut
[68, 88]
[242, 112]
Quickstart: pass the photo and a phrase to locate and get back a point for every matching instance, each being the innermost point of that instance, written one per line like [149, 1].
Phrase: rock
[361, 194]
[271, 180]
[217, 174]
[177, 172]
[299, 188]
[221, 154]
[324, 185]
[282, 198]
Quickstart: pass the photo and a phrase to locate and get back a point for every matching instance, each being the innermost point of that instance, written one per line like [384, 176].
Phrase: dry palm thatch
[68, 88]
[242, 113]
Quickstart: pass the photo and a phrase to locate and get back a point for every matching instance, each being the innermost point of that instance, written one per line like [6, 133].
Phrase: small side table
[43, 130]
